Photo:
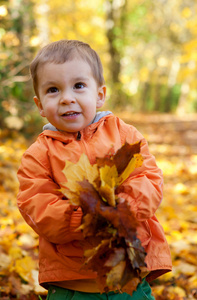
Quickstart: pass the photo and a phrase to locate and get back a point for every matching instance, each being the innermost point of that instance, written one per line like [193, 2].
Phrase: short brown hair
[63, 50]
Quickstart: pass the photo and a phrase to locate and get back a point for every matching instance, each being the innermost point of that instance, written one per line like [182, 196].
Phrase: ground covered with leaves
[173, 141]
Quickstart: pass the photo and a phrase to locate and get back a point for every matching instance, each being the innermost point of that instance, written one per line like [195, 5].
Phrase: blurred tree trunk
[115, 23]
[181, 107]
[42, 21]
[23, 24]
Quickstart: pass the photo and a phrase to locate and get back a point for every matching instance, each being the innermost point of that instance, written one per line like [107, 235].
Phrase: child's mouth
[70, 114]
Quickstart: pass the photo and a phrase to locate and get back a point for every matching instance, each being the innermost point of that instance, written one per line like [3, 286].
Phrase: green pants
[143, 292]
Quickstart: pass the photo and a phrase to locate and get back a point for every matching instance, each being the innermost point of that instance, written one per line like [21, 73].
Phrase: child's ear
[101, 96]
[39, 105]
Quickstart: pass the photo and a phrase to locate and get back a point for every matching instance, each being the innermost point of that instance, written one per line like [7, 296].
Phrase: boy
[69, 86]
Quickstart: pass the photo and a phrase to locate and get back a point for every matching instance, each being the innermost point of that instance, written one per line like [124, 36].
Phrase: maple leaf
[115, 275]
[121, 158]
[115, 169]
[121, 217]
[116, 257]
[125, 154]
[134, 163]
[136, 253]
[109, 180]
[77, 172]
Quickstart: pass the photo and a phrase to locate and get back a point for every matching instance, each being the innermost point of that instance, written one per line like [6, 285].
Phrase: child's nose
[67, 97]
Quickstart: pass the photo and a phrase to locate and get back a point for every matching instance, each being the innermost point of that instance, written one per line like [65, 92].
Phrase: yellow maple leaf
[109, 180]
[24, 266]
[115, 275]
[78, 172]
[73, 196]
[15, 252]
[107, 194]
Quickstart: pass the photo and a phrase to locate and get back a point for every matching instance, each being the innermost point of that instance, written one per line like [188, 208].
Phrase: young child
[69, 86]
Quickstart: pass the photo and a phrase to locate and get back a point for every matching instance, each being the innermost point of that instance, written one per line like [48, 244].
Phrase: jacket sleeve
[43, 206]
[144, 187]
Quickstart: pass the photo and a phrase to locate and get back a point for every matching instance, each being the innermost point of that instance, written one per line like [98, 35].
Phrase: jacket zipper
[78, 136]
[83, 144]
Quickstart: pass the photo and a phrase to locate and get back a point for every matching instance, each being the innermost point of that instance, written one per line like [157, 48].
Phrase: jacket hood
[97, 117]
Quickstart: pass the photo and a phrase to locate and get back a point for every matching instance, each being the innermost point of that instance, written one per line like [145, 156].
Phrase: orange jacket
[45, 209]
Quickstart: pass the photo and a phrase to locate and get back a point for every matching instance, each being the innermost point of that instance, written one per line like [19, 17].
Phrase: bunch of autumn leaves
[116, 253]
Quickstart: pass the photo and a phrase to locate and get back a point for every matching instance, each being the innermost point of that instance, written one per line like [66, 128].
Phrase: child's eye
[79, 85]
[52, 90]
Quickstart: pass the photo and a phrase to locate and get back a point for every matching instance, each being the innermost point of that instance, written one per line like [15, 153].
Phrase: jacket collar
[97, 117]
[66, 137]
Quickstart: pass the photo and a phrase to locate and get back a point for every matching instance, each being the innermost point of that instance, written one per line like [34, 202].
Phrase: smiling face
[68, 94]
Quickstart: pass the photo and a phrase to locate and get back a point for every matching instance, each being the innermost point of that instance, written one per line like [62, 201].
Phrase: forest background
[149, 53]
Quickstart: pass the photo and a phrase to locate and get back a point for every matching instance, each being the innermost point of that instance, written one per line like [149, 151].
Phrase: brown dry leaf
[115, 275]
[93, 224]
[116, 257]
[134, 163]
[124, 155]
[89, 197]
[136, 254]
[122, 218]
[125, 161]
[96, 258]
[131, 285]
[121, 158]
[18, 287]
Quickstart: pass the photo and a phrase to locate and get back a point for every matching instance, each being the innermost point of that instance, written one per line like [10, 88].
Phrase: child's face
[68, 94]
